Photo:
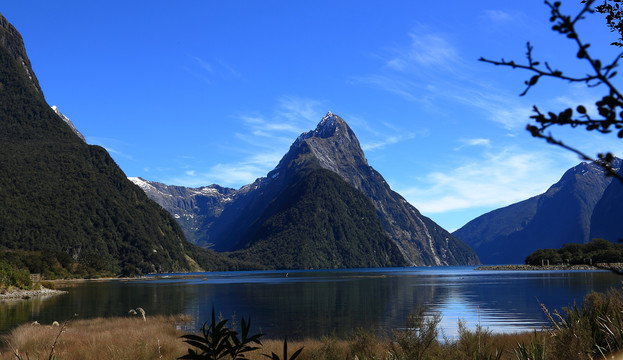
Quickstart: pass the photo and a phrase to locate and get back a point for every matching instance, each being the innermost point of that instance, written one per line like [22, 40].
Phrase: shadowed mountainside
[574, 210]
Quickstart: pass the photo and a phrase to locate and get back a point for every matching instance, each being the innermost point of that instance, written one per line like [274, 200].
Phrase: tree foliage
[11, 276]
[317, 222]
[600, 74]
[596, 251]
[614, 15]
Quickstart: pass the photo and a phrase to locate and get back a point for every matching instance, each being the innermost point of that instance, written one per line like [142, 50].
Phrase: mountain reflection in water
[325, 302]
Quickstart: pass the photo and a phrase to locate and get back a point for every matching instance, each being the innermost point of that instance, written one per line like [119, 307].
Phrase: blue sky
[200, 92]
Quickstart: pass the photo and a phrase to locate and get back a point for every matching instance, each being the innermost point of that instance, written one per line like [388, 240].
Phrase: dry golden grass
[102, 338]
[313, 348]
[157, 338]
[371, 347]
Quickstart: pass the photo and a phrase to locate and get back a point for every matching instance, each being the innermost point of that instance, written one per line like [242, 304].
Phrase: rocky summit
[325, 168]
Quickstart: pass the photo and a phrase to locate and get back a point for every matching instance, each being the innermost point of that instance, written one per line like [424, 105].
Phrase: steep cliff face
[606, 220]
[563, 214]
[12, 42]
[332, 146]
[60, 194]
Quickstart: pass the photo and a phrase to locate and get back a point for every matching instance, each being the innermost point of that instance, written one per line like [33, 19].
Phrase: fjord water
[324, 302]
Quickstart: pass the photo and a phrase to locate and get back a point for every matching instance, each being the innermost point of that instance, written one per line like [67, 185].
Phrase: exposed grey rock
[68, 122]
[220, 216]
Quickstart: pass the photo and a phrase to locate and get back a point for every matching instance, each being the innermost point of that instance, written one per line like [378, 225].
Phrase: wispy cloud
[381, 134]
[204, 64]
[299, 110]
[497, 16]
[497, 179]
[291, 117]
[425, 49]
[262, 140]
[487, 174]
[430, 70]
[388, 140]
[402, 87]
[111, 145]
[473, 142]
[210, 70]
[232, 175]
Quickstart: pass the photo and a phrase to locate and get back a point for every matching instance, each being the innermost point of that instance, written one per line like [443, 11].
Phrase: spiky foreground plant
[274, 356]
[219, 342]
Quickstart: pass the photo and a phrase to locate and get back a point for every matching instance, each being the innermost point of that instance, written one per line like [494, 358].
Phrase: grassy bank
[590, 331]
[158, 338]
[101, 338]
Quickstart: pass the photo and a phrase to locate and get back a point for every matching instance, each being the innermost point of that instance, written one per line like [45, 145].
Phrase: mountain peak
[11, 40]
[317, 192]
[327, 121]
[330, 125]
[333, 144]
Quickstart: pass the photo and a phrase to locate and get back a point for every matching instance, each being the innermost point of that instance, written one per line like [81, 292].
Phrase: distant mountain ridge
[237, 220]
[574, 210]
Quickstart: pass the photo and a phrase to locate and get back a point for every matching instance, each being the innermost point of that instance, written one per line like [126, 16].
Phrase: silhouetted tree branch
[609, 107]
[614, 12]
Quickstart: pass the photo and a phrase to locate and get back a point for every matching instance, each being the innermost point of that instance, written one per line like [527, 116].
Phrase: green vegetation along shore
[598, 266]
[593, 252]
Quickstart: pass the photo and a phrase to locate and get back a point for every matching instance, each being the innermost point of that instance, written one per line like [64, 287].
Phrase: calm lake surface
[316, 303]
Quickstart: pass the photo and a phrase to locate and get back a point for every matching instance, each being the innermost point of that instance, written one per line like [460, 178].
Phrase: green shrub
[477, 343]
[591, 330]
[363, 344]
[533, 350]
[14, 277]
[596, 251]
[48, 284]
[419, 335]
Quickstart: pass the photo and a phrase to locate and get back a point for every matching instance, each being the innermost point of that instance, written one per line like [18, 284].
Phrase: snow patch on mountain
[68, 122]
[146, 186]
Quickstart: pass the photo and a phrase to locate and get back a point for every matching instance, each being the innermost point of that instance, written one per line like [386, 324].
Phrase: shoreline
[12, 295]
[614, 266]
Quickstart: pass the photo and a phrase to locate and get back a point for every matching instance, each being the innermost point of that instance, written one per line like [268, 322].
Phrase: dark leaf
[534, 80]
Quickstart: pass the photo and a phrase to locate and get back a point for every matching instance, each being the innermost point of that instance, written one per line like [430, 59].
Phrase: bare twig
[59, 335]
[610, 107]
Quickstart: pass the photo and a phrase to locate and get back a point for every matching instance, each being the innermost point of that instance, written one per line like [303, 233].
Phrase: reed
[157, 338]
[101, 338]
